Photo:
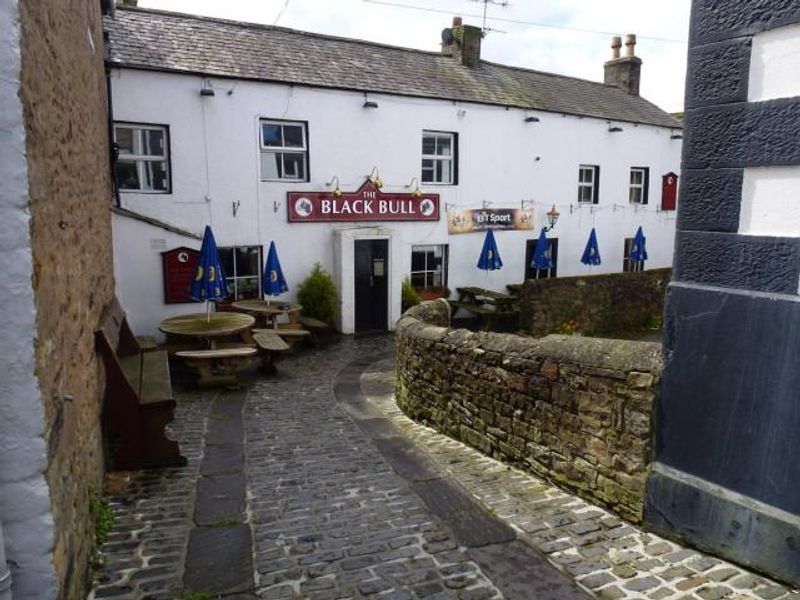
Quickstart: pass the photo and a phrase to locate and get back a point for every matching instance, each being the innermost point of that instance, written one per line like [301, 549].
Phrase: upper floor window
[639, 184]
[284, 151]
[143, 157]
[439, 157]
[589, 183]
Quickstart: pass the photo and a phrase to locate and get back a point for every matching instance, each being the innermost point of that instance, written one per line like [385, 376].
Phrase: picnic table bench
[316, 327]
[487, 304]
[269, 344]
[137, 402]
[217, 367]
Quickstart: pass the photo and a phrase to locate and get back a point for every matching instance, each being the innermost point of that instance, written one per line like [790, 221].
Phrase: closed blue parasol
[591, 255]
[490, 257]
[638, 250]
[541, 255]
[274, 283]
[209, 279]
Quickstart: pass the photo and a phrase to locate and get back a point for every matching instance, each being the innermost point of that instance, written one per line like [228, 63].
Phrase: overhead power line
[522, 22]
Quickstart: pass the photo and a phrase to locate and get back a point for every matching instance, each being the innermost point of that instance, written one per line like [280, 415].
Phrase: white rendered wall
[24, 496]
[497, 164]
[770, 202]
[775, 64]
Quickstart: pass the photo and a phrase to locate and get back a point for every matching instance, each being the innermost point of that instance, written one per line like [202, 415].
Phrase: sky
[570, 37]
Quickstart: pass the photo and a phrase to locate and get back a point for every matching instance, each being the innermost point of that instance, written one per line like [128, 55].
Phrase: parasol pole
[208, 311]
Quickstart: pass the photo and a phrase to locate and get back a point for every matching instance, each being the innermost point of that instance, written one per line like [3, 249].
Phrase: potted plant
[318, 296]
[410, 297]
[434, 293]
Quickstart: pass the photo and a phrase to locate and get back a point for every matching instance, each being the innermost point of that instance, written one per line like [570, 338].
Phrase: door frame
[344, 274]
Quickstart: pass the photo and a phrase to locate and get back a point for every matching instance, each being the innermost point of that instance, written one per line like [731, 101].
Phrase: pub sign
[368, 203]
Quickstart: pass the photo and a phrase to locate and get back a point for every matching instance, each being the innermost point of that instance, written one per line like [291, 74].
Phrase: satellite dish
[447, 35]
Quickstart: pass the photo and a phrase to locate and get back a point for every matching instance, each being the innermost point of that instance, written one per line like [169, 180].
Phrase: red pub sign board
[180, 265]
[367, 204]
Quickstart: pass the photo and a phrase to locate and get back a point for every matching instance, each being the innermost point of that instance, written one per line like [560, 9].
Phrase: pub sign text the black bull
[368, 203]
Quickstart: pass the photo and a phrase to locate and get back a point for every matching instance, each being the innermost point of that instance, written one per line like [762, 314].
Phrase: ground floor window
[533, 272]
[628, 265]
[429, 266]
[242, 265]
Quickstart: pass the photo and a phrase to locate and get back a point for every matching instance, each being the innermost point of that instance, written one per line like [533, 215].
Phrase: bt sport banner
[481, 219]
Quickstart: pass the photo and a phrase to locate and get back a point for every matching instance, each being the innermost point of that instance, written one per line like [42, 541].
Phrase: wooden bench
[217, 367]
[269, 344]
[488, 316]
[138, 401]
[316, 327]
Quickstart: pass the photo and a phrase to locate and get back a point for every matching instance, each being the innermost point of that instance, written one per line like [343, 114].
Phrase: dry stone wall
[597, 304]
[571, 409]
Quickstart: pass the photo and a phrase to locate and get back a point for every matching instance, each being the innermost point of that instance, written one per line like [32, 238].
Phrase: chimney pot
[630, 44]
[457, 22]
[616, 44]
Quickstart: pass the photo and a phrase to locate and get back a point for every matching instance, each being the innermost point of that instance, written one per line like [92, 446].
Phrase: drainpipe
[5, 572]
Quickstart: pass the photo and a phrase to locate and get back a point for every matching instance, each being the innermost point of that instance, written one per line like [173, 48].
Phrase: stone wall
[599, 304]
[63, 95]
[571, 409]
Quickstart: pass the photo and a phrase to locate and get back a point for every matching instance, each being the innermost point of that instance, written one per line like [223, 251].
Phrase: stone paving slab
[611, 558]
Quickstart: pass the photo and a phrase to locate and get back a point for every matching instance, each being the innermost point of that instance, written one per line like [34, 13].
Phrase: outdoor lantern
[376, 180]
[417, 193]
[336, 191]
[552, 217]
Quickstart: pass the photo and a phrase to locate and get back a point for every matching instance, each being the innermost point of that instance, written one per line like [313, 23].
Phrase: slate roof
[167, 41]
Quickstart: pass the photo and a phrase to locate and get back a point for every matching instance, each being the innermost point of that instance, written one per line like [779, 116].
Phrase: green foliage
[318, 295]
[102, 517]
[569, 327]
[410, 297]
[653, 322]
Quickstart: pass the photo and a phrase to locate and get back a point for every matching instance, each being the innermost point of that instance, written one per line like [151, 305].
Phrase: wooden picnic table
[487, 304]
[268, 312]
[216, 325]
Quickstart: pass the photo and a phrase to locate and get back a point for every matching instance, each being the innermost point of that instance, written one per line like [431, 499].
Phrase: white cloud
[578, 54]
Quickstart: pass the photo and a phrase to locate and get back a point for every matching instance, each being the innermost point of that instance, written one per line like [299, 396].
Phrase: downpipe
[5, 572]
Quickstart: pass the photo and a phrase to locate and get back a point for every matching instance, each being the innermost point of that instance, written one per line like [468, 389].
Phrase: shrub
[410, 296]
[653, 322]
[102, 517]
[318, 295]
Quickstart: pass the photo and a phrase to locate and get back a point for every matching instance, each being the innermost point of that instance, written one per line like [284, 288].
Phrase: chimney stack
[624, 72]
[462, 42]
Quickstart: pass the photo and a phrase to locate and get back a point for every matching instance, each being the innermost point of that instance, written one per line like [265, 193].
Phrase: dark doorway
[371, 281]
[534, 273]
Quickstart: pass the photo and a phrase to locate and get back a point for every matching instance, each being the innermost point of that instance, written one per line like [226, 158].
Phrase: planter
[433, 294]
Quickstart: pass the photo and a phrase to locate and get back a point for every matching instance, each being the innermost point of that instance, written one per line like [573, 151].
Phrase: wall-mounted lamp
[676, 135]
[207, 89]
[336, 191]
[552, 217]
[614, 128]
[531, 119]
[375, 178]
[369, 103]
[417, 193]
[235, 207]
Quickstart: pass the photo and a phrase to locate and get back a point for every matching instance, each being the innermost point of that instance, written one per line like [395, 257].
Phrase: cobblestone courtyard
[312, 484]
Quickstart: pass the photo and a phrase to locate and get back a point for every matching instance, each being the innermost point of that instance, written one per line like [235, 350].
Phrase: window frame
[264, 149]
[594, 185]
[141, 158]
[235, 276]
[644, 187]
[628, 264]
[453, 158]
[426, 270]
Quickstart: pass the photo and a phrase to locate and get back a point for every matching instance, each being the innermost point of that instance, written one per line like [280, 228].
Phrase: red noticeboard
[669, 191]
[368, 203]
[179, 265]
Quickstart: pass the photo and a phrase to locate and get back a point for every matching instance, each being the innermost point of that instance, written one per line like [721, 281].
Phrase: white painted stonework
[502, 160]
[775, 64]
[27, 525]
[770, 202]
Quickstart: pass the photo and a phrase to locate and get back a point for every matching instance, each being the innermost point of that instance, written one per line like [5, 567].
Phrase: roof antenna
[486, 3]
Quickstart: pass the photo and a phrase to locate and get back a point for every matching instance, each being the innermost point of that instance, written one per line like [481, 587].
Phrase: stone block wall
[599, 304]
[574, 410]
[63, 223]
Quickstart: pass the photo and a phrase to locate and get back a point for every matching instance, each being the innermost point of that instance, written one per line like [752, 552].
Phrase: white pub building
[380, 163]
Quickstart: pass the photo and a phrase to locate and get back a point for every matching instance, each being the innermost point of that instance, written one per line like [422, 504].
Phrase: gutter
[5, 572]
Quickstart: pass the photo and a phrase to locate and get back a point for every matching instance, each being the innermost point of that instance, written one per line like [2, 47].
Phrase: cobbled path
[604, 554]
[330, 518]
